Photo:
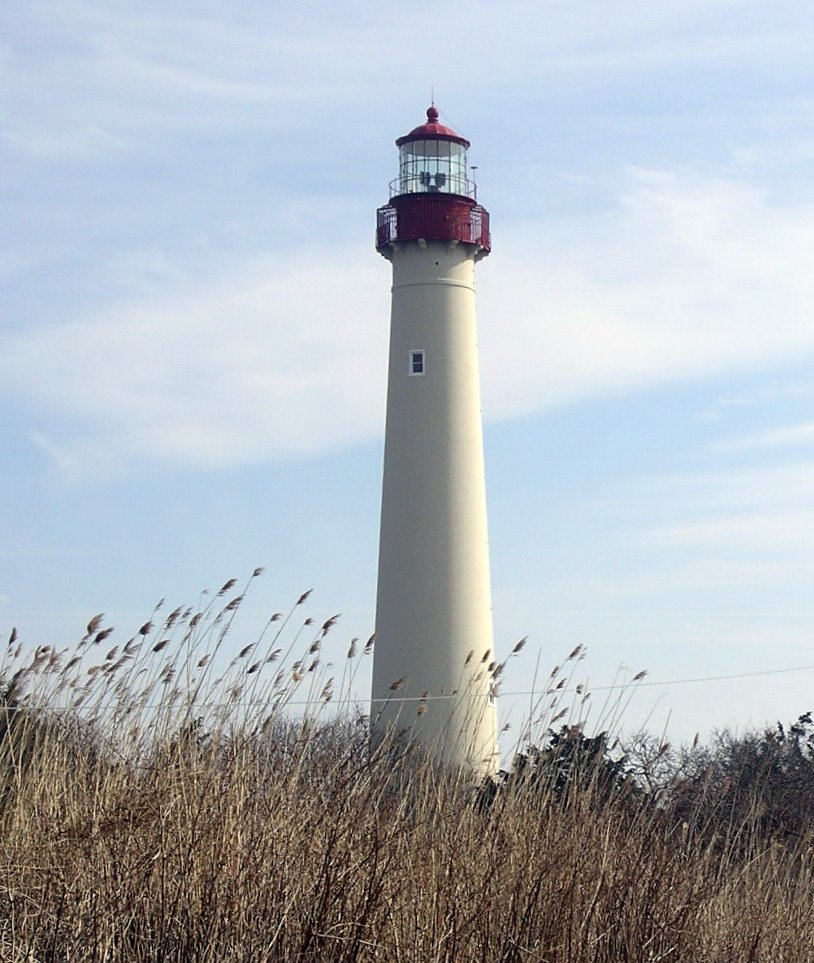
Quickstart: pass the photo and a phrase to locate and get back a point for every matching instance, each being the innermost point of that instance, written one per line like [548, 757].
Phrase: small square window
[417, 363]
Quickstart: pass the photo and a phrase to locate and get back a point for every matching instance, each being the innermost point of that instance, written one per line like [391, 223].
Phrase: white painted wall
[434, 597]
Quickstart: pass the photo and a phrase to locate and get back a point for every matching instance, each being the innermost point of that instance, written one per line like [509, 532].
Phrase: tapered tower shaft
[434, 642]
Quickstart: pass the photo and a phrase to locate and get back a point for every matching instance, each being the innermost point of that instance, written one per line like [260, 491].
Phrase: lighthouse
[434, 653]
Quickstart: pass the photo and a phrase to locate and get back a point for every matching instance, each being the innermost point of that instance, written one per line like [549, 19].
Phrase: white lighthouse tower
[434, 642]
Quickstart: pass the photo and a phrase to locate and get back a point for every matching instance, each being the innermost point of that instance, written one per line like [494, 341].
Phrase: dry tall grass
[152, 812]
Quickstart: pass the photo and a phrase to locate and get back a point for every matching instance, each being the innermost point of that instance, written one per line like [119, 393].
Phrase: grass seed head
[330, 623]
[94, 623]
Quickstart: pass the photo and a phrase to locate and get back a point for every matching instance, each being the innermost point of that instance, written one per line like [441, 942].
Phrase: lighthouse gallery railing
[432, 217]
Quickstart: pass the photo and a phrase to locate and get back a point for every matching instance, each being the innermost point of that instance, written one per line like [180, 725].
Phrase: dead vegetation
[154, 811]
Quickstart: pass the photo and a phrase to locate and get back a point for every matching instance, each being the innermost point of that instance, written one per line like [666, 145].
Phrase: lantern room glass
[433, 167]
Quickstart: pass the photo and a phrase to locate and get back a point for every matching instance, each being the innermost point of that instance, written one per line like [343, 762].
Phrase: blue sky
[194, 321]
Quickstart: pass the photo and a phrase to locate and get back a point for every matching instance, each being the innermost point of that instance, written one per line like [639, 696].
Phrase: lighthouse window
[416, 363]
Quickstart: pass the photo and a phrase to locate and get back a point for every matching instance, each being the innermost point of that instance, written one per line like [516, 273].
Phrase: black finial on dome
[432, 114]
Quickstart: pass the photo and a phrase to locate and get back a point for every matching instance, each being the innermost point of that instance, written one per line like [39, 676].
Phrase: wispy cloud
[90, 77]
[272, 360]
[765, 532]
[251, 356]
[685, 277]
[284, 355]
[760, 488]
[757, 522]
[789, 436]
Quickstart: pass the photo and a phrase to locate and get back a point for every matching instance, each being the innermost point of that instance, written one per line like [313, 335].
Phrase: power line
[581, 689]
[708, 678]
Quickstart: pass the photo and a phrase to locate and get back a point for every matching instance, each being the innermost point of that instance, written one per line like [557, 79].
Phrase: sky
[194, 323]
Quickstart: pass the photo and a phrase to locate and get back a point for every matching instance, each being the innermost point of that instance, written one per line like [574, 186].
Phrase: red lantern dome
[432, 130]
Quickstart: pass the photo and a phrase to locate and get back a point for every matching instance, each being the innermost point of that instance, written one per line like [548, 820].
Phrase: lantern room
[433, 199]
[432, 159]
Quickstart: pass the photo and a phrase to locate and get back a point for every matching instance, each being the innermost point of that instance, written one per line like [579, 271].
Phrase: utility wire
[707, 678]
[395, 698]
